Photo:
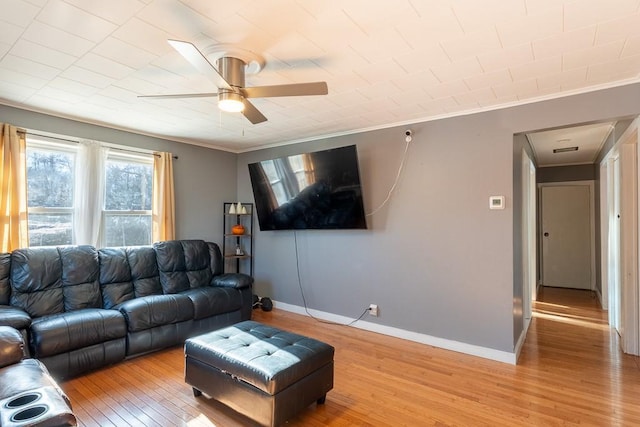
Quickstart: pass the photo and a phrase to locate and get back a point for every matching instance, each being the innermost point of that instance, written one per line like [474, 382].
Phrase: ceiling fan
[228, 77]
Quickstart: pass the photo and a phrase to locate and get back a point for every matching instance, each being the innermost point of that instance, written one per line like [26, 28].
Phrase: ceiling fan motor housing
[232, 70]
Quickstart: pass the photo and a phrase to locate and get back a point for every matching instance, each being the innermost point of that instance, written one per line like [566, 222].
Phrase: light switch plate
[496, 202]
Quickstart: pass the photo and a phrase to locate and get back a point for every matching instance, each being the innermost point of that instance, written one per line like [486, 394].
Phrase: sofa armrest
[232, 280]
[155, 310]
[15, 317]
[11, 346]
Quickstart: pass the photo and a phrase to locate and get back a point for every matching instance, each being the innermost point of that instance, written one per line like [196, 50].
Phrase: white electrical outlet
[373, 309]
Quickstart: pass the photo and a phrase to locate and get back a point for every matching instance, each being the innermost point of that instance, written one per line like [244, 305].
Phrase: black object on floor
[265, 303]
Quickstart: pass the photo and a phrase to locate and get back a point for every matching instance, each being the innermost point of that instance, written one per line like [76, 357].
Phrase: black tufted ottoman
[265, 373]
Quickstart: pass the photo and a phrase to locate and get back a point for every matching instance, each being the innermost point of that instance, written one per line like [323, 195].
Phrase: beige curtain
[163, 203]
[14, 229]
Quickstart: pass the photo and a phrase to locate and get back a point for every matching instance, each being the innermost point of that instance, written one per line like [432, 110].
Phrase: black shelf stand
[237, 249]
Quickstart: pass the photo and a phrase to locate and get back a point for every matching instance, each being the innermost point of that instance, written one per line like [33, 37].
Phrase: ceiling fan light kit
[230, 101]
[228, 77]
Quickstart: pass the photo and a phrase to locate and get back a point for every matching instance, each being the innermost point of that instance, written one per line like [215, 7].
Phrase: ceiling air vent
[564, 150]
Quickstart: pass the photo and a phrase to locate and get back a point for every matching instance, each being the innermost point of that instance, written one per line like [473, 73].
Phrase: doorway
[612, 273]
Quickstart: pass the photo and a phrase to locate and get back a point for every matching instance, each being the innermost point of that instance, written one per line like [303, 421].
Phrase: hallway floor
[570, 339]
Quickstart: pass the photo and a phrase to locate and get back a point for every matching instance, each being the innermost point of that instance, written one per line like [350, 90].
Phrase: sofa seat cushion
[63, 332]
[209, 301]
[14, 317]
[156, 310]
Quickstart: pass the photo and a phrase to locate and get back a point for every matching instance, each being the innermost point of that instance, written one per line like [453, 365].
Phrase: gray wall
[203, 178]
[566, 173]
[436, 260]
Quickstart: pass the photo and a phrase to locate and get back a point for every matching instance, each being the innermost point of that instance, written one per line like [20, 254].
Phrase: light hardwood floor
[570, 372]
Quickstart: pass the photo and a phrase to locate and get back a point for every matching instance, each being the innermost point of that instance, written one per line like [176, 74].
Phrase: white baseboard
[523, 336]
[460, 347]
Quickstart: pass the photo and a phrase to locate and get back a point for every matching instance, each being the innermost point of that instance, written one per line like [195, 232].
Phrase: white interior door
[567, 239]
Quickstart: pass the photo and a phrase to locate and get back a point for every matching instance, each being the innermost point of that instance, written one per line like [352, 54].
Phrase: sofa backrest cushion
[144, 271]
[5, 269]
[115, 276]
[127, 273]
[80, 272]
[36, 281]
[49, 280]
[183, 265]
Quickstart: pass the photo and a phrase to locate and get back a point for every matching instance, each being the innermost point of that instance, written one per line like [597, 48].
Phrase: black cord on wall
[304, 300]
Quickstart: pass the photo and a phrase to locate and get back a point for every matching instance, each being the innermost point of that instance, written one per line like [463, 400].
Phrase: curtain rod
[77, 142]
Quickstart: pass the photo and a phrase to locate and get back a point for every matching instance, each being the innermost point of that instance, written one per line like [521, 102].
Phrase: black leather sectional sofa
[80, 308]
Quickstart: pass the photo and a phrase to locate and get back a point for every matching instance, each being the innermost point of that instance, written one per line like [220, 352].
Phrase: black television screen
[319, 190]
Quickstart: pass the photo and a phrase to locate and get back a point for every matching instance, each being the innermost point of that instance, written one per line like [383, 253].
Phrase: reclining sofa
[81, 308]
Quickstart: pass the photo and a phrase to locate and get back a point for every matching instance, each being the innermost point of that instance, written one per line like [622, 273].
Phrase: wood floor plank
[571, 372]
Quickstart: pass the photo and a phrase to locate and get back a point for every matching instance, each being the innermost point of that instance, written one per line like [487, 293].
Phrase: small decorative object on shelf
[237, 247]
[238, 229]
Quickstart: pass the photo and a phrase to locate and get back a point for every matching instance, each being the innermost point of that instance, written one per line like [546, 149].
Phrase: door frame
[592, 225]
[529, 253]
[630, 301]
[626, 153]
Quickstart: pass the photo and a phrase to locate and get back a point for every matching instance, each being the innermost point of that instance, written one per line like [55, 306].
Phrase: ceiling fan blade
[252, 113]
[200, 62]
[296, 89]
[181, 95]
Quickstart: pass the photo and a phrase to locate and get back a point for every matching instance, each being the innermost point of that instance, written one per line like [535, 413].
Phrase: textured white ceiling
[385, 62]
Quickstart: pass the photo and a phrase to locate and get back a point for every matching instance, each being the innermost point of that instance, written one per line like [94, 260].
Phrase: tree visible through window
[127, 214]
[50, 177]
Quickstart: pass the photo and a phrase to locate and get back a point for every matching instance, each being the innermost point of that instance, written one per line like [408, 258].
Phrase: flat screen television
[318, 190]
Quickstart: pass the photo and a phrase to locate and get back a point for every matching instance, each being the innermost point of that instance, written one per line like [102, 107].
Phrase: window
[50, 176]
[127, 212]
[125, 216]
[275, 181]
[288, 176]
